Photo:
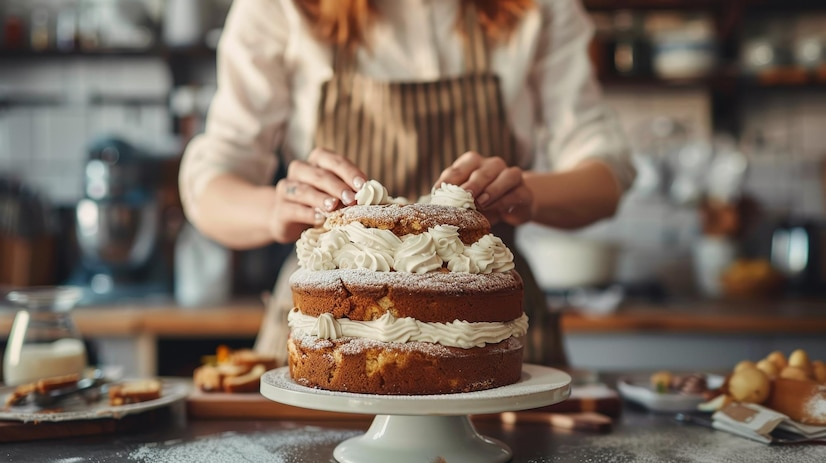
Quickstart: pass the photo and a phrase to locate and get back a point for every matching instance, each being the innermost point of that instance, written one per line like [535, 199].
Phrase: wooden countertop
[243, 318]
[720, 317]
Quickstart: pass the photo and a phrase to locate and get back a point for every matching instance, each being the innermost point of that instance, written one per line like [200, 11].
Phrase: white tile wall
[47, 144]
[636, 108]
[791, 121]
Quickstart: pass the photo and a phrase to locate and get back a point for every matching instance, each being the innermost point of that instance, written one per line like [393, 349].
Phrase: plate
[639, 391]
[539, 386]
[74, 409]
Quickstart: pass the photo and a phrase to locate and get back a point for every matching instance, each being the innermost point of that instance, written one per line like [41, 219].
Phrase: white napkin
[764, 425]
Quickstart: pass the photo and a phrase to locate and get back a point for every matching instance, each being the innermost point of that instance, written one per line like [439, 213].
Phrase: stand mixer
[118, 225]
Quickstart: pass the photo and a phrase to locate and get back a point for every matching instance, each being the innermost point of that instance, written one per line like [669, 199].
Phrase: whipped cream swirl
[388, 328]
[372, 193]
[356, 256]
[452, 195]
[417, 254]
[448, 243]
[384, 240]
[355, 246]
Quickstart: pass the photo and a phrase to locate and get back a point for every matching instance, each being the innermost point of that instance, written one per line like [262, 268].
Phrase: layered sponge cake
[394, 298]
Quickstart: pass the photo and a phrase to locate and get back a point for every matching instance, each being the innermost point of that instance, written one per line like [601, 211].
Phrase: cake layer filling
[388, 328]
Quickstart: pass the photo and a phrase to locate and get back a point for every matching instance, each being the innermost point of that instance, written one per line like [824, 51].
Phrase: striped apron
[404, 134]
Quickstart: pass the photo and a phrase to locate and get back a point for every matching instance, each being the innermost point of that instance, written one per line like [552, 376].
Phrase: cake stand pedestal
[428, 428]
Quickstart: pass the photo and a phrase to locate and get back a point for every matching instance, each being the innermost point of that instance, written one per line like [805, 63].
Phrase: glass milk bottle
[43, 341]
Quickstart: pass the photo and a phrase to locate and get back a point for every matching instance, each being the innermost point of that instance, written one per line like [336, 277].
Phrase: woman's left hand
[499, 190]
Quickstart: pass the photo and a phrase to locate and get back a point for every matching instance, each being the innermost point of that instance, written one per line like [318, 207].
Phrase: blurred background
[724, 102]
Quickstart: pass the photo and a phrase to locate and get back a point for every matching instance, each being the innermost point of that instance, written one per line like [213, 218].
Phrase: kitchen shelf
[789, 78]
[30, 100]
[26, 54]
[8, 101]
[653, 4]
[695, 5]
[152, 52]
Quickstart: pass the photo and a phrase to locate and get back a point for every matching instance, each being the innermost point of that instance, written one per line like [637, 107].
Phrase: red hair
[345, 22]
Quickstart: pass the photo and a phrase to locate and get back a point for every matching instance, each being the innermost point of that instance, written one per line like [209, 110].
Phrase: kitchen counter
[637, 436]
[645, 332]
[243, 318]
[705, 316]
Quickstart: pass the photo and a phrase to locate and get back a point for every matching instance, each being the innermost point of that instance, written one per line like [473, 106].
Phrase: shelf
[694, 5]
[30, 100]
[594, 5]
[154, 52]
[793, 79]
[7, 101]
[659, 82]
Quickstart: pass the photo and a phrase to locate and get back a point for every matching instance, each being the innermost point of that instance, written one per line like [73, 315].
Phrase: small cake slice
[131, 392]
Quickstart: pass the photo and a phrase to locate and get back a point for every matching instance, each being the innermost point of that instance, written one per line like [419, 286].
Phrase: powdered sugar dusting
[285, 446]
[445, 283]
[410, 216]
[679, 444]
[816, 406]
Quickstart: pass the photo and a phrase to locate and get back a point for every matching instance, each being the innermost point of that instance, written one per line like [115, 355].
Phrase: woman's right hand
[314, 187]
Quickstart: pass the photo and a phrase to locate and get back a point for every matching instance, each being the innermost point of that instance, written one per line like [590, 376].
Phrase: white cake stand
[429, 428]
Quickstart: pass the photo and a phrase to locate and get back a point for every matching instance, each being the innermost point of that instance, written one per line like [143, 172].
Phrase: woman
[495, 96]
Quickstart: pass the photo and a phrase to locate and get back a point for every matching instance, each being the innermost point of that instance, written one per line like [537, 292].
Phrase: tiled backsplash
[57, 108]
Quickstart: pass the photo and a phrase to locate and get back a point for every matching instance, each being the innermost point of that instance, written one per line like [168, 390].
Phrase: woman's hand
[499, 190]
[323, 183]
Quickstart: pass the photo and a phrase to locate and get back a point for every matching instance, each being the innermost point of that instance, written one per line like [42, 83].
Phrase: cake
[406, 299]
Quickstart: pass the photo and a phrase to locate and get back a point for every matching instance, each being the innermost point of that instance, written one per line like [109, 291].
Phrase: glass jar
[43, 341]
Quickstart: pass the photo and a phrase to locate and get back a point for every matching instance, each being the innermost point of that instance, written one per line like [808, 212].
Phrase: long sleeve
[248, 114]
[570, 108]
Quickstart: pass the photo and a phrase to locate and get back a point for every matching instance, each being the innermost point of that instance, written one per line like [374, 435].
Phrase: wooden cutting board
[252, 405]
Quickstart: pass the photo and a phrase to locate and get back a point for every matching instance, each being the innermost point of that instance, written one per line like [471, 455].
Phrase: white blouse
[270, 72]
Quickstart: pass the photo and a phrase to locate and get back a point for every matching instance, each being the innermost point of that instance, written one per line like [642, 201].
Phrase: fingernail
[347, 196]
[319, 217]
[358, 182]
[330, 203]
[483, 198]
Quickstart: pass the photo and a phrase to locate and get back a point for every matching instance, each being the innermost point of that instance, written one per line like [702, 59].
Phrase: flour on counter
[290, 446]
[675, 446]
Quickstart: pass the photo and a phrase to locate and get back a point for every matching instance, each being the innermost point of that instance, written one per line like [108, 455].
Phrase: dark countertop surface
[638, 436]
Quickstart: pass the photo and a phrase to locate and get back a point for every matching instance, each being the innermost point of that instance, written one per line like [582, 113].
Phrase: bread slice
[41, 386]
[211, 378]
[131, 392]
[250, 358]
[45, 385]
[234, 371]
[20, 393]
[249, 382]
